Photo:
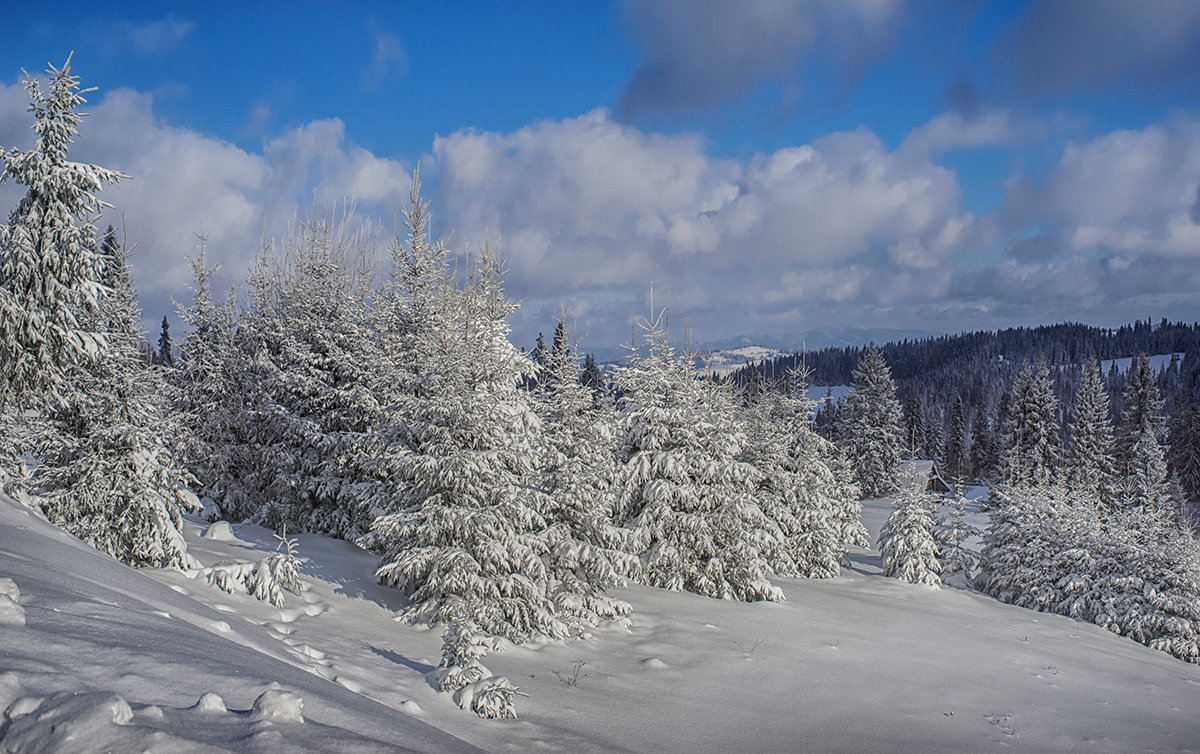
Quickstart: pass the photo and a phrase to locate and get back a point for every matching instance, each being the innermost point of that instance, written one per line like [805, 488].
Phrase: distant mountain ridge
[741, 349]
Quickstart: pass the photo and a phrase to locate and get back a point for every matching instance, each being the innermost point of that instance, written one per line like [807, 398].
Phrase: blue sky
[779, 166]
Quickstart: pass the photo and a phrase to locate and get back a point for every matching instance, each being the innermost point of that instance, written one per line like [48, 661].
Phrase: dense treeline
[956, 390]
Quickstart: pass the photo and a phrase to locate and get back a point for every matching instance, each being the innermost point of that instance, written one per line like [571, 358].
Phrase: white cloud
[992, 127]
[593, 207]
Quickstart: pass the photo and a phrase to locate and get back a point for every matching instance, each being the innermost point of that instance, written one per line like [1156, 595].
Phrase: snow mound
[209, 702]
[654, 663]
[278, 705]
[11, 613]
[221, 531]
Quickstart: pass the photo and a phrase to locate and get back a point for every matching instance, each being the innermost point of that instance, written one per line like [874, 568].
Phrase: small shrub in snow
[463, 646]
[907, 542]
[474, 687]
[490, 698]
[264, 579]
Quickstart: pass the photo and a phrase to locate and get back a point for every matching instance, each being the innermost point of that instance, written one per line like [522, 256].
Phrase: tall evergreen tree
[984, 459]
[322, 367]
[465, 532]
[1090, 463]
[1030, 449]
[873, 436]
[913, 421]
[109, 477]
[683, 488]
[50, 271]
[814, 507]
[587, 553]
[1140, 444]
[907, 542]
[956, 463]
[165, 354]
[220, 399]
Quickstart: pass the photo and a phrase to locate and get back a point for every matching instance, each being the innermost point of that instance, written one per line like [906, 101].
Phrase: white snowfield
[114, 659]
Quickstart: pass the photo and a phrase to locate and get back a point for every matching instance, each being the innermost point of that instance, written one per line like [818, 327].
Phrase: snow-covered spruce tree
[1030, 446]
[165, 355]
[587, 553]
[463, 646]
[1141, 457]
[310, 310]
[1090, 462]
[1031, 542]
[49, 269]
[682, 487]
[464, 530]
[952, 533]
[871, 432]
[108, 476]
[907, 542]
[796, 487]
[219, 397]
[1141, 412]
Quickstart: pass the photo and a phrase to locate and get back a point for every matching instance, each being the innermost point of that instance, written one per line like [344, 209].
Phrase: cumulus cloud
[1059, 44]
[702, 53]
[1111, 233]
[595, 209]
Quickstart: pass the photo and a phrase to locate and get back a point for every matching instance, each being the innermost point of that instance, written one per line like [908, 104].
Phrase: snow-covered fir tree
[871, 431]
[952, 534]
[588, 553]
[310, 312]
[108, 476]
[1141, 412]
[682, 487]
[1030, 447]
[165, 355]
[50, 271]
[907, 542]
[219, 399]
[464, 531]
[798, 490]
[1141, 456]
[1090, 462]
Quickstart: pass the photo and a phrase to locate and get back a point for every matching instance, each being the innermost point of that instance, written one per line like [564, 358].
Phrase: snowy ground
[110, 658]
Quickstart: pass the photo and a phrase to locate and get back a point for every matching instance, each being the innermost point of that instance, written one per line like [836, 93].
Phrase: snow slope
[859, 663]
